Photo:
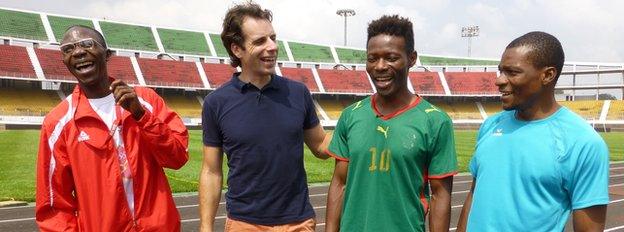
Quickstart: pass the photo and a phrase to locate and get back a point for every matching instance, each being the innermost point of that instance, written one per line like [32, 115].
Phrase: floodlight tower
[345, 13]
[470, 31]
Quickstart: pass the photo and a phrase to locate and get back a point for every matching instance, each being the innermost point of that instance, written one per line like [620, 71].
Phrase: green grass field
[18, 152]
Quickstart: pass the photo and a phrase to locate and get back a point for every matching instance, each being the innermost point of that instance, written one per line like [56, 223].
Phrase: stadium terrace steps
[616, 110]
[426, 83]
[120, 67]
[459, 110]
[281, 51]
[441, 61]
[332, 108]
[27, 101]
[218, 74]
[170, 73]
[351, 56]
[61, 24]
[345, 81]
[471, 82]
[587, 109]
[52, 65]
[310, 52]
[185, 106]
[14, 62]
[303, 75]
[22, 25]
[218, 45]
[492, 108]
[128, 36]
[183, 42]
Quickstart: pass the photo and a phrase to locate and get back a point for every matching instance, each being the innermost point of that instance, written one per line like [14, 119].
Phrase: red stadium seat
[170, 73]
[345, 81]
[471, 82]
[426, 83]
[14, 62]
[218, 73]
[303, 75]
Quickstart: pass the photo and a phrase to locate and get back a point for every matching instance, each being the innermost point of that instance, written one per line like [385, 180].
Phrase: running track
[22, 218]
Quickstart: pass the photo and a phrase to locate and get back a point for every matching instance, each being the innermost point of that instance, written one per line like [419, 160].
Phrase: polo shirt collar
[274, 83]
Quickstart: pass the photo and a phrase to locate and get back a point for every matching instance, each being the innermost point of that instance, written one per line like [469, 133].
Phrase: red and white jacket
[79, 184]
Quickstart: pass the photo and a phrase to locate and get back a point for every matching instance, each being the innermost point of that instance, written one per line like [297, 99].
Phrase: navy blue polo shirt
[261, 132]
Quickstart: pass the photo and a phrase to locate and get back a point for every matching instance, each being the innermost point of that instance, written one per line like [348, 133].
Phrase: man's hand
[127, 98]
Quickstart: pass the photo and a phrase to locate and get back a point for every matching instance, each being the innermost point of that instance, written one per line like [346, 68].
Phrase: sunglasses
[88, 43]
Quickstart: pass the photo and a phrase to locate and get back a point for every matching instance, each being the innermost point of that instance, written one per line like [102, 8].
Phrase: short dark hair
[233, 26]
[393, 25]
[546, 50]
[99, 35]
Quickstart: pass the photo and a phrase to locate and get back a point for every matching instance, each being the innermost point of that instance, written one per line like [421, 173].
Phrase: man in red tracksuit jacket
[102, 150]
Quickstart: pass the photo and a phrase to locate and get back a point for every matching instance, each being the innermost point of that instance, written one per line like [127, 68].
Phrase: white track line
[614, 228]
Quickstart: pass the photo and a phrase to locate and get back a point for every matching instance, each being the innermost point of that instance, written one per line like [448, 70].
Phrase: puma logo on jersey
[433, 108]
[83, 136]
[357, 105]
[384, 131]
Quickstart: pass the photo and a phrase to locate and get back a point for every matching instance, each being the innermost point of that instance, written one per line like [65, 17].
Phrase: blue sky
[589, 30]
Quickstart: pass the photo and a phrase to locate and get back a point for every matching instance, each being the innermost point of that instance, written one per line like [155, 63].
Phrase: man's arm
[463, 217]
[335, 196]
[440, 212]
[590, 218]
[210, 182]
[55, 208]
[317, 140]
[160, 126]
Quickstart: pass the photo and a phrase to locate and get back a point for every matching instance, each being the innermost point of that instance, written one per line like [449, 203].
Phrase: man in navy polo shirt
[260, 120]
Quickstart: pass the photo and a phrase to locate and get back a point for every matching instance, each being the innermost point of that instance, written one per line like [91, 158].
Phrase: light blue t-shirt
[530, 175]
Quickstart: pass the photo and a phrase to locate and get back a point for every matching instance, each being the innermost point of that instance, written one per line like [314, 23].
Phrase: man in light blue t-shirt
[536, 162]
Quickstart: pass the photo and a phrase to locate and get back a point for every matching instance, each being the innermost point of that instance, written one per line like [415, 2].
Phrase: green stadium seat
[128, 36]
[61, 24]
[183, 42]
[351, 56]
[22, 25]
[433, 60]
[310, 52]
[218, 44]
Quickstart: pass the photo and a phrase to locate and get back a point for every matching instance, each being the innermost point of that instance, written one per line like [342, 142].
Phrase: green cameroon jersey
[391, 159]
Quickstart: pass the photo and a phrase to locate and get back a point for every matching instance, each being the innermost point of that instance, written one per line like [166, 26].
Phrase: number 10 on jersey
[384, 161]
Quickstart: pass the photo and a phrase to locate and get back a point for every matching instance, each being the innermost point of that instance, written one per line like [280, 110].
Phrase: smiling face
[388, 64]
[520, 83]
[86, 63]
[258, 55]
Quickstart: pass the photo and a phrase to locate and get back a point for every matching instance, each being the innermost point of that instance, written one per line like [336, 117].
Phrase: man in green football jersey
[389, 147]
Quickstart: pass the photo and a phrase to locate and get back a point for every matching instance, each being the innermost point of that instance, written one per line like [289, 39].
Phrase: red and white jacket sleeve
[56, 205]
[163, 131]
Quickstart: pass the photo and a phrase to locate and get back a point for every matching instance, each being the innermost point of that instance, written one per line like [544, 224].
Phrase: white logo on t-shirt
[83, 136]
[498, 132]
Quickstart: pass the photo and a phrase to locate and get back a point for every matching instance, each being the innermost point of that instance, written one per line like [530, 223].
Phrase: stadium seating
[281, 51]
[303, 75]
[183, 42]
[170, 73]
[332, 108]
[426, 83]
[351, 56]
[587, 109]
[61, 24]
[27, 102]
[52, 64]
[218, 74]
[345, 81]
[120, 68]
[434, 60]
[21, 25]
[218, 45]
[128, 36]
[471, 82]
[14, 62]
[185, 106]
[459, 110]
[616, 110]
[310, 52]
[492, 108]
